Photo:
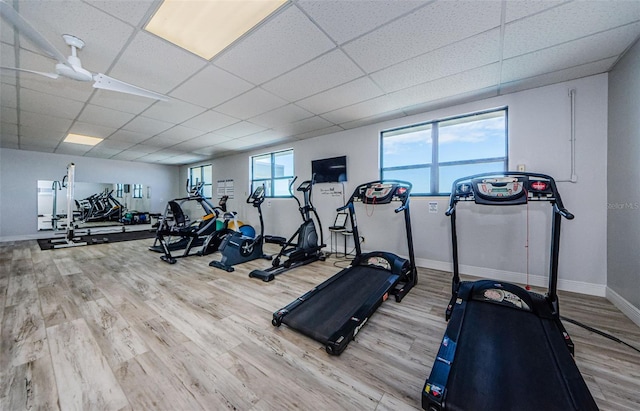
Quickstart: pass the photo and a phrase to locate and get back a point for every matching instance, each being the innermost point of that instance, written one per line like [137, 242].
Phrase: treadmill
[335, 311]
[505, 348]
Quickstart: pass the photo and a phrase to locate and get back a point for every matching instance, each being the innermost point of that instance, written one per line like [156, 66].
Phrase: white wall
[623, 237]
[539, 133]
[20, 170]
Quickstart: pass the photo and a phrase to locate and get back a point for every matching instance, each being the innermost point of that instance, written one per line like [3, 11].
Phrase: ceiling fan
[71, 66]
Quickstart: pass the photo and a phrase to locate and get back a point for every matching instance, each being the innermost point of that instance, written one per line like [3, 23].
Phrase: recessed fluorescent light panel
[80, 139]
[207, 27]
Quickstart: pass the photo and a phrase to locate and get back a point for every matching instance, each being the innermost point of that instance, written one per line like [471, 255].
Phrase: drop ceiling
[314, 68]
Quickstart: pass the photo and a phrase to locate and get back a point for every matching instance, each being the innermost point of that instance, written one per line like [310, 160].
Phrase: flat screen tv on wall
[330, 170]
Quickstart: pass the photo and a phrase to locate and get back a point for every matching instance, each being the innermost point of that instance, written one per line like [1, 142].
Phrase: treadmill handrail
[559, 211]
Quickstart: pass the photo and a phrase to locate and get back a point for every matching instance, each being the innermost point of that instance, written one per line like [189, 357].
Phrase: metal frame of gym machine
[70, 239]
[298, 253]
[505, 347]
[335, 311]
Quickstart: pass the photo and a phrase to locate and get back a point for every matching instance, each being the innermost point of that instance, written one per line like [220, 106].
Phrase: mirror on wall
[94, 205]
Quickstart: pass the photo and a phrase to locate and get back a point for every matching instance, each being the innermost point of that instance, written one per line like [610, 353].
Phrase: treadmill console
[383, 193]
[507, 190]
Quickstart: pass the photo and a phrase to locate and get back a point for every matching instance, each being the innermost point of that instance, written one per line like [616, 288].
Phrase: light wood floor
[113, 327]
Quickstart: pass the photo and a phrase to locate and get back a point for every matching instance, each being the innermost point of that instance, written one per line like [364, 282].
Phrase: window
[432, 155]
[202, 174]
[119, 190]
[274, 170]
[137, 191]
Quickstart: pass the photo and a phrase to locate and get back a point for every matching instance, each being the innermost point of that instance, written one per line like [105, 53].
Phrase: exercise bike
[238, 248]
[303, 246]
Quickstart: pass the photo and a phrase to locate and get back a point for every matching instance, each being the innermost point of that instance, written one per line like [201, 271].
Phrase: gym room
[191, 190]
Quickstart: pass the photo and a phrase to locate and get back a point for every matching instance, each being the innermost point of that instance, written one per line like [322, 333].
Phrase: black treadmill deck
[509, 359]
[349, 297]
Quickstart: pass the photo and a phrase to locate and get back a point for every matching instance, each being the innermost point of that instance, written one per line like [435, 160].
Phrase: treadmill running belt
[493, 371]
[331, 307]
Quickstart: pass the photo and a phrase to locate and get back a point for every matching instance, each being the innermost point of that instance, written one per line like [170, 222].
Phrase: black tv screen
[330, 170]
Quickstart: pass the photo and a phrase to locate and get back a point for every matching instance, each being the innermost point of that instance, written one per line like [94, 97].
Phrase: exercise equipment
[70, 239]
[505, 348]
[203, 234]
[303, 246]
[336, 310]
[100, 207]
[243, 245]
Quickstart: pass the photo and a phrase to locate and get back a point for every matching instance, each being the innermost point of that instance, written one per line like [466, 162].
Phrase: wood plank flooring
[112, 327]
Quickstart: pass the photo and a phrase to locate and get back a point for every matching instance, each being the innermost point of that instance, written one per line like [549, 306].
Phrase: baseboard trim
[581, 287]
[623, 305]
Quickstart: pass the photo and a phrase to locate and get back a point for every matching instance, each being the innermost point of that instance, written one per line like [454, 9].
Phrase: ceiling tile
[574, 18]
[39, 133]
[341, 96]
[209, 139]
[265, 137]
[42, 103]
[251, 104]
[558, 76]
[41, 149]
[175, 111]
[240, 129]
[103, 151]
[517, 9]
[128, 136]
[116, 144]
[209, 121]
[574, 53]
[43, 121]
[407, 37]
[40, 142]
[8, 95]
[9, 144]
[345, 20]
[180, 133]
[184, 159]
[148, 126]
[322, 73]
[304, 126]
[155, 64]
[236, 144]
[144, 148]
[475, 79]
[7, 57]
[281, 44]
[364, 109]
[283, 115]
[132, 12]
[8, 128]
[470, 53]
[210, 87]
[320, 132]
[104, 116]
[128, 155]
[9, 115]
[152, 158]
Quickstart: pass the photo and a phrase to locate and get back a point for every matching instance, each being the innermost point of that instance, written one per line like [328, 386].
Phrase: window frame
[269, 182]
[434, 165]
[201, 178]
[137, 191]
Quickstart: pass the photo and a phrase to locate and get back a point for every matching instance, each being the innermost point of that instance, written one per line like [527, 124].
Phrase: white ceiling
[314, 68]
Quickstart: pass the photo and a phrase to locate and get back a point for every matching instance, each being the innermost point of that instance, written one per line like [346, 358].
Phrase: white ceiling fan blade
[108, 83]
[26, 29]
[50, 75]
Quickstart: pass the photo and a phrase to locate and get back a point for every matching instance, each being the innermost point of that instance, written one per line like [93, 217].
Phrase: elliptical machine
[238, 248]
[303, 246]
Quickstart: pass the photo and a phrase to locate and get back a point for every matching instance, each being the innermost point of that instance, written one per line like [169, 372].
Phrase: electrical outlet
[521, 167]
